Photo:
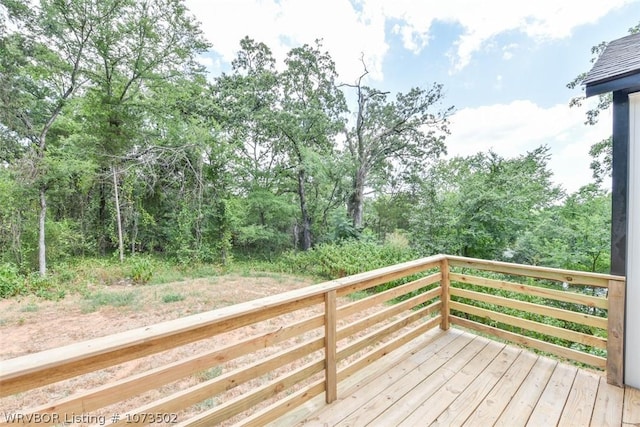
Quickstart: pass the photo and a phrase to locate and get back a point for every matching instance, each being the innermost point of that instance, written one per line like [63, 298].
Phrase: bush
[11, 282]
[141, 270]
[334, 260]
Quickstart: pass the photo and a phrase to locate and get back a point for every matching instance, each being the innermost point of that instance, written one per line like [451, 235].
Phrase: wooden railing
[340, 327]
[590, 326]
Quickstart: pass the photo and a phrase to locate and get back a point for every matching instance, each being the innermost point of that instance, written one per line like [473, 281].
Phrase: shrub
[11, 282]
[334, 260]
[141, 270]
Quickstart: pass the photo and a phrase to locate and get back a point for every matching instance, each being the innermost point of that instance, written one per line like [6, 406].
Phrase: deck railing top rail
[441, 297]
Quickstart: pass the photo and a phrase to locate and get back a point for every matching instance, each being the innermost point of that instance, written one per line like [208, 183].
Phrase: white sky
[504, 63]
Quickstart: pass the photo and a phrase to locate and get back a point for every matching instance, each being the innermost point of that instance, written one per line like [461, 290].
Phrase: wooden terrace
[375, 348]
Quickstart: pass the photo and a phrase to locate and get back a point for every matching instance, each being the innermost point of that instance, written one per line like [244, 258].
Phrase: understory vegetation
[121, 161]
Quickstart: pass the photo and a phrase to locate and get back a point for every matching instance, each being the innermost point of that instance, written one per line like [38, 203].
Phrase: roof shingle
[621, 58]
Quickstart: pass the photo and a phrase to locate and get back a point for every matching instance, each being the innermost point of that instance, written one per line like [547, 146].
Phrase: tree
[154, 42]
[112, 55]
[573, 235]
[311, 115]
[479, 205]
[52, 39]
[601, 151]
[405, 130]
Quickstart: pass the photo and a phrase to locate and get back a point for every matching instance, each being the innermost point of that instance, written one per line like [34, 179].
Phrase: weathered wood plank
[488, 412]
[571, 297]
[568, 276]
[581, 401]
[530, 325]
[557, 313]
[607, 411]
[523, 402]
[549, 408]
[430, 409]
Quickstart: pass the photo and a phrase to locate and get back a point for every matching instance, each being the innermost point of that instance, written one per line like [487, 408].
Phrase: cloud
[350, 28]
[346, 32]
[520, 126]
[483, 20]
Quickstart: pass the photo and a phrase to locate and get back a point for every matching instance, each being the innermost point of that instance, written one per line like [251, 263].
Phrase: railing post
[444, 297]
[615, 333]
[331, 376]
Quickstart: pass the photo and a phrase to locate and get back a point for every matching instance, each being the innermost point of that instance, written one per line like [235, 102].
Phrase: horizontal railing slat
[246, 401]
[558, 313]
[378, 298]
[530, 325]
[568, 276]
[386, 313]
[35, 370]
[154, 378]
[578, 356]
[570, 297]
[377, 335]
[207, 389]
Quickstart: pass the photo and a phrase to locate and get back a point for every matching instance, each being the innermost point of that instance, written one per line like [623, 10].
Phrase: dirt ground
[29, 325]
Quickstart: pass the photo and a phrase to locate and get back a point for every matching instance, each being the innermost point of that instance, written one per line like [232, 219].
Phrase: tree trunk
[42, 251]
[118, 218]
[356, 200]
[306, 221]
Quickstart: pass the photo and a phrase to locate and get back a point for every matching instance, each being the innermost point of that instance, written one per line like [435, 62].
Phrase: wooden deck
[455, 378]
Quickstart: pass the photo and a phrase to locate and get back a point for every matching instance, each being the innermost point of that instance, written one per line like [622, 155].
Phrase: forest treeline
[114, 141]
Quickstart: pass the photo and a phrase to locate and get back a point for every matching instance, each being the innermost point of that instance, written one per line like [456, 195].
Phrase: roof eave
[628, 83]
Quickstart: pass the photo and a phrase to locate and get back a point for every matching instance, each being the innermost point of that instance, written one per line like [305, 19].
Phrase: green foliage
[11, 282]
[46, 287]
[172, 297]
[113, 299]
[209, 374]
[141, 270]
[334, 260]
[478, 206]
[575, 235]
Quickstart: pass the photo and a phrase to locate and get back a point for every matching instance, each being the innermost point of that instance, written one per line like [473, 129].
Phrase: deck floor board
[456, 378]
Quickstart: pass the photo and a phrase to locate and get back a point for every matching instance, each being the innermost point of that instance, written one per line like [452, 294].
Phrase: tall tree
[153, 43]
[408, 130]
[54, 36]
[311, 115]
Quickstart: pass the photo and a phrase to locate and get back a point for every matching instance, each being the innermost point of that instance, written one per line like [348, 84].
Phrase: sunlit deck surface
[456, 378]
